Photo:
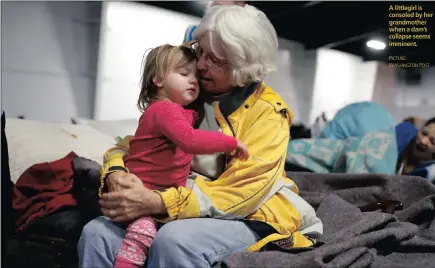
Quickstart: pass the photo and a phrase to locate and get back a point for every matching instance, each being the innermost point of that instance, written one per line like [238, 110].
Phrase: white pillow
[32, 142]
[114, 129]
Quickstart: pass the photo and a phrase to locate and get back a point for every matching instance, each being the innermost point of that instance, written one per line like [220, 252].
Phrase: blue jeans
[199, 242]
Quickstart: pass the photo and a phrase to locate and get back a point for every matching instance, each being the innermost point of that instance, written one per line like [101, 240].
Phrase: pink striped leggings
[134, 248]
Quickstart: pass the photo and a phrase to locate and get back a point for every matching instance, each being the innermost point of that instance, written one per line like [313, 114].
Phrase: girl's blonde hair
[158, 63]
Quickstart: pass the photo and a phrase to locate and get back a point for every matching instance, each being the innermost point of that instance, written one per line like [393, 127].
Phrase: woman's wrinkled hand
[115, 180]
[131, 200]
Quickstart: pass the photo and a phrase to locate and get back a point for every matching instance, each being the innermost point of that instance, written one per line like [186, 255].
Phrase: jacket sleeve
[244, 185]
[174, 124]
[113, 161]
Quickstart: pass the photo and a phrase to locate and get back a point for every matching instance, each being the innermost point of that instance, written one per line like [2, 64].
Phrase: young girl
[164, 143]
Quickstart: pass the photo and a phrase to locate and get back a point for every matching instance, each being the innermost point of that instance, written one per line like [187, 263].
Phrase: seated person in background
[232, 205]
[165, 141]
[416, 149]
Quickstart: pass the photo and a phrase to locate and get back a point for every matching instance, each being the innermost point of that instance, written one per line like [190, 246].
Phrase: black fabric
[85, 188]
[40, 251]
[261, 228]
[51, 241]
[295, 168]
[235, 99]
[117, 168]
[300, 132]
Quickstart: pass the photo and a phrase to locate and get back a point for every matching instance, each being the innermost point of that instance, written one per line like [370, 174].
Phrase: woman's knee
[174, 246]
[99, 232]
[172, 235]
[99, 242]
[94, 228]
[177, 236]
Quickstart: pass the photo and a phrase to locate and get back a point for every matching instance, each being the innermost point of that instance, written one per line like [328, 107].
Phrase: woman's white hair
[247, 37]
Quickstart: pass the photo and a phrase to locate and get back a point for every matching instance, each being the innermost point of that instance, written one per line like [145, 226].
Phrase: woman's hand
[115, 180]
[132, 201]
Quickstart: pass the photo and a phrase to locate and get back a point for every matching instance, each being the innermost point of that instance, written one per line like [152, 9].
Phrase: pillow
[114, 129]
[32, 142]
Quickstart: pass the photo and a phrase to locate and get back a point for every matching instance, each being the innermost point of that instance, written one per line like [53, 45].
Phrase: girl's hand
[242, 151]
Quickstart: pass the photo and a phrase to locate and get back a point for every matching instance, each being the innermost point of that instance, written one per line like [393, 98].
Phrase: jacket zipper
[227, 159]
[231, 127]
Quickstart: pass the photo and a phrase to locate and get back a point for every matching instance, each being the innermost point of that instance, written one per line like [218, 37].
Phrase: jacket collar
[231, 102]
[228, 103]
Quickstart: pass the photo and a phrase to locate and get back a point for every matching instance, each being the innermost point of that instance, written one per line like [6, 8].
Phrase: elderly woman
[231, 206]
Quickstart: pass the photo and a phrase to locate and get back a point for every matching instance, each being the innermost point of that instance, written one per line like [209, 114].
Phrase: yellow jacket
[256, 190]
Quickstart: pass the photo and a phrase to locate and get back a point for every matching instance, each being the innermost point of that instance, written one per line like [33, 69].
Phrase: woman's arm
[113, 161]
[133, 201]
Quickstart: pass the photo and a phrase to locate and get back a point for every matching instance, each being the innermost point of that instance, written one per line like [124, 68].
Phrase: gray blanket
[356, 239]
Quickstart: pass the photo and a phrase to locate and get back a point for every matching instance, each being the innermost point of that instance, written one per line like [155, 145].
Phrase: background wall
[49, 52]
[293, 78]
[418, 100]
[53, 51]
[340, 79]
[122, 50]
[127, 31]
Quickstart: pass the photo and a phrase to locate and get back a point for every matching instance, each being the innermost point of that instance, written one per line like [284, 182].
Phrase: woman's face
[425, 142]
[213, 70]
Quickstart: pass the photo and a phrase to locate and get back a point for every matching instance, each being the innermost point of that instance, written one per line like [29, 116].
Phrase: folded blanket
[360, 239]
[375, 152]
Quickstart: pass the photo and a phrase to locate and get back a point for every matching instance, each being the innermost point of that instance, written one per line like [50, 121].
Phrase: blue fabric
[425, 170]
[357, 119]
[375, 152]
[191, 33]
[405, 133]
[188, 36]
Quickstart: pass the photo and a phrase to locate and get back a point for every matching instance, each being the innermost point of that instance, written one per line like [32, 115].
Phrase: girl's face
[425, 142]
[179, 85]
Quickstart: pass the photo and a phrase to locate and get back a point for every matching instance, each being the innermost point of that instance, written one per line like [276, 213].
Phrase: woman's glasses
[211, 61]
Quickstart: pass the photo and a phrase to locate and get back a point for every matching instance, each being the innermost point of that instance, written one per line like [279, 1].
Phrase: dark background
[345, 26]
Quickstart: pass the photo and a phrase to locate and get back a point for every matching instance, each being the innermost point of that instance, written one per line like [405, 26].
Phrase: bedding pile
[360, 239]
[49, 188]
[374, 152]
